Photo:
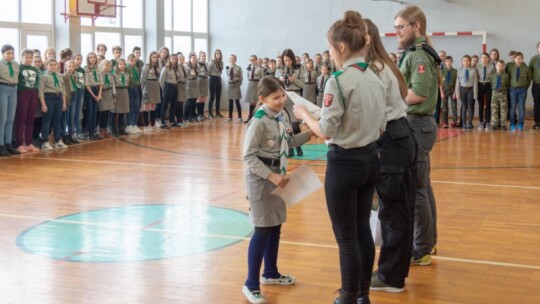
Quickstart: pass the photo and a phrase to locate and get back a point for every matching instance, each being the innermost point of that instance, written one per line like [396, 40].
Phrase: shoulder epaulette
[259, 114]
[337, 73]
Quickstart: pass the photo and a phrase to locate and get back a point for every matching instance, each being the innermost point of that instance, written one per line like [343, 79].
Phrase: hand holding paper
[312, 109]
[302, 183]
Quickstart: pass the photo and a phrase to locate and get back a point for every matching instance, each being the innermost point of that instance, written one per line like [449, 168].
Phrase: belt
[391, 122]
[254, 80]
[466, 87]
[309, 82]
[121, 88]
[269, 162]
[334, 147]
[151, 79]
[8, 84]
[203, 77]
[500, 90]
[182, 82]
[524, 88]
[233, 82]
[52, 94]
[106, 89]
[418, 115]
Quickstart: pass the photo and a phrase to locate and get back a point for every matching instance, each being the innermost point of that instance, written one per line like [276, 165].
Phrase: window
[200, 16]
[201, 45]
[39, 42]
[182, 44]
[168, 43]
[168, 15]
[109, 39]
[10, 36]
[10, 13]
[87, 44]
[182, 15]
[130, 42]
[36, 11]
[132, 14]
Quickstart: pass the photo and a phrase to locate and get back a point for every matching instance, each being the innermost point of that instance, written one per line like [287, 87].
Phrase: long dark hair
[218, 62]
[289, 53]
[376, 53]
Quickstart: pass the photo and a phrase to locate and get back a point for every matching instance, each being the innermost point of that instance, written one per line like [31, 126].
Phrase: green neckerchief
[11, 73]
[135, 74]
[56, 83]
[95, 75]
[107, 81]
[123, 80]
[73, 83]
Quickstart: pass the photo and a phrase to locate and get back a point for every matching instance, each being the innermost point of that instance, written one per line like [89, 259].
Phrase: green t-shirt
[534, 65]
[28, 78]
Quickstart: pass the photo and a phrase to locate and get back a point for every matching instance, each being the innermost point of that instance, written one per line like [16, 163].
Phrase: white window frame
[192, 35]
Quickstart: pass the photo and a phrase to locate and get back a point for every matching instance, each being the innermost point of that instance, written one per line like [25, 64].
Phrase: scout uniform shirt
[485, 72]
[255, 73]
[168, 76]
[297, 84]
[93, 76]
[9, 72]
[353, 106]
[520, 76]
[396, 107]
[500, 82]
[449, 77]
[28, 78]
[215, 68]
[236, 73]
[134, 76]
[534, 66]
[467, 78]
[420, 72]
[51, 82]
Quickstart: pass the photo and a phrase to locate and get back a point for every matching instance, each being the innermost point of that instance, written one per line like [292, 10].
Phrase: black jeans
[170, 94]
[238, 108]
[484, 109]
[215, 93]
[351, 176]
[536, 97]
[396, 189]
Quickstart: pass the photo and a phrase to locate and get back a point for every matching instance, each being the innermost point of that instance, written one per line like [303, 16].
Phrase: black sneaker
[4, 152]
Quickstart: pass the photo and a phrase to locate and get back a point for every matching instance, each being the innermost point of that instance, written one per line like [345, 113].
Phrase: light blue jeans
[8, 106]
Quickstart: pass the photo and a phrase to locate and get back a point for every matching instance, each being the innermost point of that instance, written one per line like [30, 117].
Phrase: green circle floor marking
[313, 152]
[136, 233]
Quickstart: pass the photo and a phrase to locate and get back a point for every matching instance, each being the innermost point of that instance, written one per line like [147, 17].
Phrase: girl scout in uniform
[265, 148]
[215, 68]
[168, 80]
[234, 74]
[106, 105]
[291, 75]
[94, 83]
[182, 92]
[204, 73]
[9, 78]
[310, 86]
[134, 86]
[321, 83]
[52, 95]
[353, 115]
[254, 74]
[150, 88]
[192, 70]
[467, 91]
[121, 106]
[485, 69]
[78, 99]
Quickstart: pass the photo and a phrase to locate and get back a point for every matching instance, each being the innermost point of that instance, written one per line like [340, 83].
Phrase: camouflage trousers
[444, 107]
[499, 108]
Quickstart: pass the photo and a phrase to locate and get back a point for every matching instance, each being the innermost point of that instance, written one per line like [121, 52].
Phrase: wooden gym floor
[487, 186]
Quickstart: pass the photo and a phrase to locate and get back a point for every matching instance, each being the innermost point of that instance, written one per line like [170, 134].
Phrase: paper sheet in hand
[313, 110]
[302, 182]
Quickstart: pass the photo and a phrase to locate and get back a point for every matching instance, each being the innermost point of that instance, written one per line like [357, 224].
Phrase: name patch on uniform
[421, 69]
[328, 99]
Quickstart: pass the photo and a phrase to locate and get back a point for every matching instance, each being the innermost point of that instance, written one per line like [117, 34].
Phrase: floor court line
[137, 229]
[233, 170]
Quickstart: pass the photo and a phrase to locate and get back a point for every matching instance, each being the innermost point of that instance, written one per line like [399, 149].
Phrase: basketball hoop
[90, 9]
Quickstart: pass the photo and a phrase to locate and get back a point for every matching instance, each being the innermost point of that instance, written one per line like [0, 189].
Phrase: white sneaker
[46, 147]
[136, 129]
[283, 280]
[60, 145]
[148, 129]
[238, 120]
[228, 120]
[254, 297]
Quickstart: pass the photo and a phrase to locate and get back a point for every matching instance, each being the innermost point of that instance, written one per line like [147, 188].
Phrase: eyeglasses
[401, 27]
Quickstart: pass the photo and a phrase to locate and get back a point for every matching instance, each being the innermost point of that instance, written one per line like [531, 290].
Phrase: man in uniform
[420, 68]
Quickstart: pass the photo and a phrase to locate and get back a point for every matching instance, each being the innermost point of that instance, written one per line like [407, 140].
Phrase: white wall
[261, 27]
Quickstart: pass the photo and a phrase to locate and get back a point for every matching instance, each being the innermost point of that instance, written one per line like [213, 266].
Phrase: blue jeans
[134, 106]
[52, 117]
[8, 107]
[77, 98]
[91, 110]
[518, 96]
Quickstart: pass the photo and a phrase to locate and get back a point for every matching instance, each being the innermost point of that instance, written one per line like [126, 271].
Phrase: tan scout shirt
[353, 107]
[5, 75]
[47, 84]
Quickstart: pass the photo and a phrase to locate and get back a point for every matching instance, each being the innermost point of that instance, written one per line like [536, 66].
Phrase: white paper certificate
[313, 109]
[302, 182]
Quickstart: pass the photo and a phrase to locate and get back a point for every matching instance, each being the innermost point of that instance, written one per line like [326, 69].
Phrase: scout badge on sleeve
[421, 69]
[328, 99]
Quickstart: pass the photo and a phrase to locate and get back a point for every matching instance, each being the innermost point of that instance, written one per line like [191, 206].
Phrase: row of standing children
[492, 83]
